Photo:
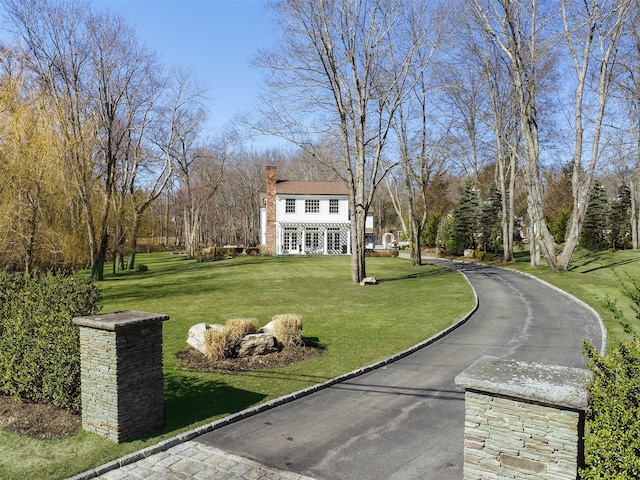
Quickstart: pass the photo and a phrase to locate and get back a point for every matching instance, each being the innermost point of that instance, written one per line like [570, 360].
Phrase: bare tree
[507, 142]
[593, 31]
[628, 86]
[89, 65]
[199, 168]
[524, 31]
[515, 29]
[463, 107]
[143, 159]
[56, 50]
[331, 75]
[412, 127]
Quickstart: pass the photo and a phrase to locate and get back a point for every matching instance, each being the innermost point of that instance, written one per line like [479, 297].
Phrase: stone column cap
[530, 381]
[119, 320]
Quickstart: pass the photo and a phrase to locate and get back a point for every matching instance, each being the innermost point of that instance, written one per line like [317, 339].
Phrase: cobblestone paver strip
[193, 460]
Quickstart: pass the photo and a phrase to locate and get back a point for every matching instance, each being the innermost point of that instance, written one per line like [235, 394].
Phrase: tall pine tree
[620, 219]
[594, 230]
[465, 220]
[490, 226]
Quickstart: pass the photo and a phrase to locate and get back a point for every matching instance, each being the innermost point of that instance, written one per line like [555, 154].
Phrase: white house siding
[300, 232]
[287, 227]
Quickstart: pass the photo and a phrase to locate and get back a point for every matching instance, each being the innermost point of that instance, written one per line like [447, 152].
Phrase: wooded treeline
[507, 110]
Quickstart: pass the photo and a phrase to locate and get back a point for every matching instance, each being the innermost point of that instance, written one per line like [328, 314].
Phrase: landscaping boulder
[269, 328]
[369, 281]
[256, 344]
[469, 253]
[195, 337]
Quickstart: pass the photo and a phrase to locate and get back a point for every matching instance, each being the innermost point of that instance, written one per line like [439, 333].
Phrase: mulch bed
[195, 360]
[39, 420]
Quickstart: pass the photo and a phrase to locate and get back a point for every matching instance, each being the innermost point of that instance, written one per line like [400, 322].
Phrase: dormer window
[290, 205]
[312, 206]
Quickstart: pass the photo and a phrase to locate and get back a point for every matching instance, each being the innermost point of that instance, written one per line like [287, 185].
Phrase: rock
[255, 344]
[269, 328]
[469, 253]
[369, 281]
[195, 337]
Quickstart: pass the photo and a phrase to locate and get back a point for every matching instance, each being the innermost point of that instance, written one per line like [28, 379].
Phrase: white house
[306, 217]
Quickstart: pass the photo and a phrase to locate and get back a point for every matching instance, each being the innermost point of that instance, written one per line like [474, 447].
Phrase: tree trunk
[416, 248]
[118, 261]
[507, 203]
[635, 218]
[134, 241]
[358, 264]
[512, 215]
[192, 219]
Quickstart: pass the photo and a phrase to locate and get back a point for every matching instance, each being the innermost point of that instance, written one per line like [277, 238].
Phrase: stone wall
[121, 374]
[523, 420]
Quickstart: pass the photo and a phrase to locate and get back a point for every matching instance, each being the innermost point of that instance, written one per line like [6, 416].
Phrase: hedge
[39, 345]
[612, 442]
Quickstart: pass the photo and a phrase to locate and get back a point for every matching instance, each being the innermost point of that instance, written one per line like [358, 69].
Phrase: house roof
[311, 188]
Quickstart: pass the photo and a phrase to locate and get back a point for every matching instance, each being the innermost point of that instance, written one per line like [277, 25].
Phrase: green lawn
[591, 277]
[355, 325]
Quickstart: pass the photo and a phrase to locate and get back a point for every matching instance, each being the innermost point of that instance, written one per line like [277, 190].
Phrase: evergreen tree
[560, 224]
[594, 230]
[490, 226]
[465, 221]
[430, 232]
[620, 219]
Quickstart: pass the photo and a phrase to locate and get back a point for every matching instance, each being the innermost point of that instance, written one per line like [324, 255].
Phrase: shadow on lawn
[422, 274]
[592, 258]
[191, 399]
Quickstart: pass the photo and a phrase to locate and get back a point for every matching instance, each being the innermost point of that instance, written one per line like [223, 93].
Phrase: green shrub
[39, 344]
[430, 232]
[450, 247]
[141, 267]
[377, 253]
[612, 442]
[484, 256]
[613, 439]
[219, 253]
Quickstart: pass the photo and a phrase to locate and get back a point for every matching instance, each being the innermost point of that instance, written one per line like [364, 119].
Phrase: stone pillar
[121, 374]
[523, 420]
[272, 180]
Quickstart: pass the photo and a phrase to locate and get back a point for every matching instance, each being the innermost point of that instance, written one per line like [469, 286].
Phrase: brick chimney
[272, 178]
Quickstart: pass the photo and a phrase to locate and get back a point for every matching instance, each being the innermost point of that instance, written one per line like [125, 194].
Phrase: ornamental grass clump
[220, 341]
[215, 340]
[287, 328]
[240, 327]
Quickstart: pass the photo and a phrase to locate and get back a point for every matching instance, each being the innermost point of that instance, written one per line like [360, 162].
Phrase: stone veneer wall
[515, 439]
[121, 374]
[523, 420]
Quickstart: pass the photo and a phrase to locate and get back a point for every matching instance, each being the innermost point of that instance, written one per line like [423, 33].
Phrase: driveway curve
[406, 420]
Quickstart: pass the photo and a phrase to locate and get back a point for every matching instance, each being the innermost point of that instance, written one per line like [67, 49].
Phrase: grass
[355, 326]
[591, 277]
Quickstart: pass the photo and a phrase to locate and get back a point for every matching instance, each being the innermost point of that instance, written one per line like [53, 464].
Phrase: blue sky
[213, 39]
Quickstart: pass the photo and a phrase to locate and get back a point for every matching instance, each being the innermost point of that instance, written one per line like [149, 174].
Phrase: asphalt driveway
[406, 420]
